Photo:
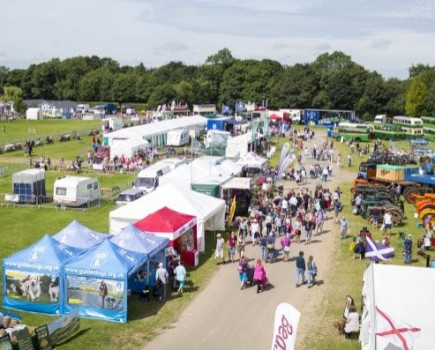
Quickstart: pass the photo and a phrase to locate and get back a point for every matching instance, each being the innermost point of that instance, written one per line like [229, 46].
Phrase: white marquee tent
[252, 160]
[209, 211]
[405, 294]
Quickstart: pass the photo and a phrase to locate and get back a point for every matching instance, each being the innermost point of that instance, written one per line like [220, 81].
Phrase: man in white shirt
[388, 223]
[284, 205]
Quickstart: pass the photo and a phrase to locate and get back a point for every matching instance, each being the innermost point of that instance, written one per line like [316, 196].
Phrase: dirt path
[224, 317]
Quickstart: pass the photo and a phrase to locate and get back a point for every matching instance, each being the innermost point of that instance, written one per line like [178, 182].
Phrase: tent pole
[148, 272]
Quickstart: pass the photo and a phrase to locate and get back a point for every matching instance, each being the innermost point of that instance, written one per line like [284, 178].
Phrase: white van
[148, 179]
[178, 137]
[380, 119]
[83, 108]
[76, 191]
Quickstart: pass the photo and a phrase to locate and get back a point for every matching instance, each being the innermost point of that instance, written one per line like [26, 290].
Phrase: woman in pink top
[260, 275]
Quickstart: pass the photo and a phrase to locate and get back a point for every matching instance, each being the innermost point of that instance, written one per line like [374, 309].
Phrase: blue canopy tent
[96, 281]
[78, 236]
[31, 277]
[134, 239]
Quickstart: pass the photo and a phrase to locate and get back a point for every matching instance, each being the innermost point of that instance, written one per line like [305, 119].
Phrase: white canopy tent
[405, 294]
[209, 211]
[252, 160]
[200, 170]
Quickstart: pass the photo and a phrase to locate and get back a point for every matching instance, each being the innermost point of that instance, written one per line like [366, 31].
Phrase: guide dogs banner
[286, 327]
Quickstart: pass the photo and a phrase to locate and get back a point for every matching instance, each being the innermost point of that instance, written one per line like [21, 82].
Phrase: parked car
[128, 196]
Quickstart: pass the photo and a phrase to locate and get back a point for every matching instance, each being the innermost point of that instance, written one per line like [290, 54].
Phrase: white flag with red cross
[395, 332]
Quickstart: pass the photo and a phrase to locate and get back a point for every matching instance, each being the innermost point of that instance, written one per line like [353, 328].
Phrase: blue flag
[226, 110]
[377, 251]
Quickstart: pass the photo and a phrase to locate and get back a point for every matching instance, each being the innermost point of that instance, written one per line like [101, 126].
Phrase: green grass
[22, 130]
[22, 226]
[348, 274]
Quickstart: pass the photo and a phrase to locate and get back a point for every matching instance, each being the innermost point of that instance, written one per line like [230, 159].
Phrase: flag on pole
[232, 210]
[377, 251]
[397, 333]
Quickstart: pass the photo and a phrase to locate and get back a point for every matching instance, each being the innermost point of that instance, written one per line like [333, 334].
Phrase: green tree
[124, 87]
[295, 87]
[162, 94]
[97, 85]
[415, 97]
[374, 97]
[4, 71]
[430, 102]
[222, 57]
[14, 94]
[184, 92]
[396, 96]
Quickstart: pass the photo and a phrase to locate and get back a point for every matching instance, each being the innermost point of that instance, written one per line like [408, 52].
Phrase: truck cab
[367, 170]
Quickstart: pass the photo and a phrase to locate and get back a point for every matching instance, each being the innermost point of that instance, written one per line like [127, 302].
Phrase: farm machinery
[377, 201]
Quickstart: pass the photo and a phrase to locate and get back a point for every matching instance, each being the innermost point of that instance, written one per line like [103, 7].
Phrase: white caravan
[76, 191]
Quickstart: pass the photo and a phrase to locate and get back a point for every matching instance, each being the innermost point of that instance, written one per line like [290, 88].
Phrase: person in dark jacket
[300, 268]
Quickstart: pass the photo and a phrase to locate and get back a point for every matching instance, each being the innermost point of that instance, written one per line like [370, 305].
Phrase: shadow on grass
[75, 336]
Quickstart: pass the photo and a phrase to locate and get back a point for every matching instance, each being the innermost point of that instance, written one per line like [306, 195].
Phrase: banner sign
[23, 339]
[5, 343]
[286, 327]
[43, 338]
[64, 327]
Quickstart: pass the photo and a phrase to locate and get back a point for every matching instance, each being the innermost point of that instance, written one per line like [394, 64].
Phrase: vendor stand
[240, 187]
[181, 229]
[133, 239]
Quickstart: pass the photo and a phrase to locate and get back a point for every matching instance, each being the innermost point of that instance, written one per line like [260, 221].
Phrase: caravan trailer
[111, 124]
[76, 191]
[178, 137]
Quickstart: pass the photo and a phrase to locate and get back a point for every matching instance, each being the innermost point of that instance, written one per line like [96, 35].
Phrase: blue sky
[383, 35]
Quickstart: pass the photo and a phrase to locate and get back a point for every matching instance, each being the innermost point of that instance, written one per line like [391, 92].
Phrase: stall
[78, 236]
[240, 187]
[131, 238]
[31, 277]
[96, 281]
[209, 211]
[405, 294]
[179, 228]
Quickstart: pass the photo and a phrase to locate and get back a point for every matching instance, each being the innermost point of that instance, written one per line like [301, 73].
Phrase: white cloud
[383, 35]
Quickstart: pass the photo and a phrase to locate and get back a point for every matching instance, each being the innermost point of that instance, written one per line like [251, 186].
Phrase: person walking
[388, 223]
[407, 245]
[255, 231]
[344, 225]
[263, 247]
[232, 240]
[219, 253]
[260, 278]
[180, 276]
[270, 244]
[312, 271]
[240, 246]
[162, 277]
[349, 160]
[285, 246]
[243, 271]
[300, 268]
[308, 223]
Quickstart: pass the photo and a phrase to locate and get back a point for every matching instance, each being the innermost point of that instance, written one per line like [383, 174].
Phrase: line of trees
[332, 81]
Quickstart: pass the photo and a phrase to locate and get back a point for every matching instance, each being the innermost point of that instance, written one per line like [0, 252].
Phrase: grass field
[22, 226]
[348, 272]
[21, 130]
